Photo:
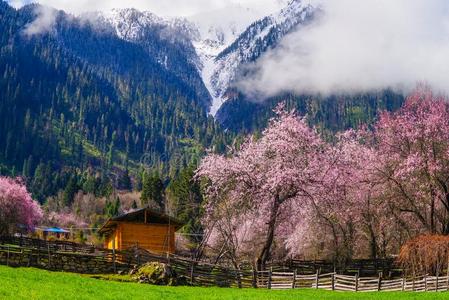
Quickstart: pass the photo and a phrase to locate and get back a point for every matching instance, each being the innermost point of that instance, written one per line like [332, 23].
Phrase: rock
[156, 273]
[133, 271]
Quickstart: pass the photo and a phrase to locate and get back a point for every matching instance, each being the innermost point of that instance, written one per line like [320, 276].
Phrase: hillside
[80, 97]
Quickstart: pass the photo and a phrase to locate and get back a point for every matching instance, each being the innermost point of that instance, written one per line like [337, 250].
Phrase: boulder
[157, 273]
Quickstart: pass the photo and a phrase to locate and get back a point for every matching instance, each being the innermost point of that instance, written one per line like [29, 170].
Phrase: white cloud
[159, 7]
[46, 18]
[359, 46]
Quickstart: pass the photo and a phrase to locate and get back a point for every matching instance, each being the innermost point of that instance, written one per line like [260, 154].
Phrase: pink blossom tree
[347, 214]
[65, 220]
[265, 182]
[385, 185]
[17, 208]
[413, 144]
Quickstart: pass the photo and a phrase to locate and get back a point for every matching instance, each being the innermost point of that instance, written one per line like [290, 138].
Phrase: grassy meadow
[29, 283]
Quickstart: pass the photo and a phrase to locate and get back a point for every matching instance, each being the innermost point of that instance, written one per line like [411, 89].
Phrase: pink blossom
[17, 208]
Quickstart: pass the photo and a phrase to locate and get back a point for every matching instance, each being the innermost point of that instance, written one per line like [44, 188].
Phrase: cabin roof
[53, 229]
[138, 216]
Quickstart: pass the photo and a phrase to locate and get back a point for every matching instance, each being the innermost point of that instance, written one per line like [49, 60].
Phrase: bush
[425, 254]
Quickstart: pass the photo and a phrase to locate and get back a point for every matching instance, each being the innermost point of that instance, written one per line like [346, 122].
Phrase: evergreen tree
[112, 208]
[70, 190]
[124, 182]
[90, 184]
[186, 193]
[152, 189]
[134, 205]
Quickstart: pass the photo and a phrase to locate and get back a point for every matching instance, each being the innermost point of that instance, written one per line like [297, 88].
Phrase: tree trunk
[432, 211]
[446, 225]
[265, 253]
[373, 243]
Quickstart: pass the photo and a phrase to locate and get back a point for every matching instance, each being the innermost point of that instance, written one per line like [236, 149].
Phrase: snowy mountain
[207, 50]
[221, 61]
[167, 40]
[218, 30]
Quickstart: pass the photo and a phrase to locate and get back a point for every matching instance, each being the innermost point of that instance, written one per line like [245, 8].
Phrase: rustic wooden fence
[336, 282]
[67, 256]
[362, 267]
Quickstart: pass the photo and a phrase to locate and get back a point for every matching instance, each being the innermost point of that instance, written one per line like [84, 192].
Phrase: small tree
[17, 208]
[425, 254]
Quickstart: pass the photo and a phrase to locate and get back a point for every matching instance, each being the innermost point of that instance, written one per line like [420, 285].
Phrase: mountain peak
[218, 43]
[221, 67]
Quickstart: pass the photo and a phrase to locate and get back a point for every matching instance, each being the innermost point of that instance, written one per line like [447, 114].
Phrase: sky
[160, 7]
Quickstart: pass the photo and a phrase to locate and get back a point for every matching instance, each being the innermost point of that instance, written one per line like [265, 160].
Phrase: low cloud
[359, 46]
[159, 7]
[43, 23]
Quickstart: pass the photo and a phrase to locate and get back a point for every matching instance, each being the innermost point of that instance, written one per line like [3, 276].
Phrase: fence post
[113, 261]
[447, 279]
[49, 256]
[269, 277]
[403, 282]
[436, 285]
[138, 256]
[294, 279]
[254, 283]
[357, 282]
[113, 256]
[7, 256]
[447, 276]
[379, 282]
[38, 253]
[239, 278]
[21, 257]
[192, 267]
[29, 259]
[413, 282]
[425, 282]
[333, 281]
[317, 278]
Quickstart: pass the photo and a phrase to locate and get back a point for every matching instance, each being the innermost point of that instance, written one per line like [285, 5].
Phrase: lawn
[29, 283]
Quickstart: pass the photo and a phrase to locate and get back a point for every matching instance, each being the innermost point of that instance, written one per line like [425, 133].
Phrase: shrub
[425, 254]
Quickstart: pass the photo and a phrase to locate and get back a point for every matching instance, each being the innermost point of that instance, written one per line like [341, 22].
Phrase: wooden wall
[153, 237]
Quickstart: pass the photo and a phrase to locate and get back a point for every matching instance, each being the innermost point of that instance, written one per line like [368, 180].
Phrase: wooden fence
[362, 267]
[67, 256]
[336, 282]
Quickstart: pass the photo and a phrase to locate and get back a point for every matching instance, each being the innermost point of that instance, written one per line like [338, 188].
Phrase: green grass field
[29, 283]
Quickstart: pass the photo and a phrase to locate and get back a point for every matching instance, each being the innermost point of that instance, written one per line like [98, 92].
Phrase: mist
[163, 8]
[359, 46]
[44, 21]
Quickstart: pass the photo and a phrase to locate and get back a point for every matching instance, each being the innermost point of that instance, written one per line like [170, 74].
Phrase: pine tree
[186, 193]
[124, 181]
[152, 189]
[70, 190]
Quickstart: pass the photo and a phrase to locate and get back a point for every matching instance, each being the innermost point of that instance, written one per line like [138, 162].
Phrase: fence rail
[67, 256]
[363, 267]
[336, 282]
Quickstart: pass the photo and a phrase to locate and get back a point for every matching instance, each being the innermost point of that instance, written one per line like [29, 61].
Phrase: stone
[156, 273]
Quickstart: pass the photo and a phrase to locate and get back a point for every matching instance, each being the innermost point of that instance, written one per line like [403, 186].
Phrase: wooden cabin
[144, 228]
